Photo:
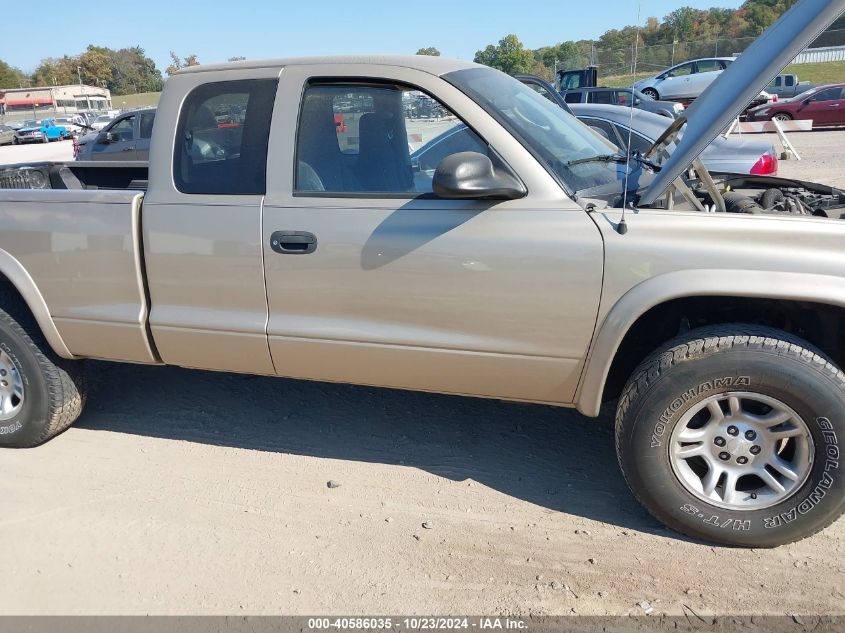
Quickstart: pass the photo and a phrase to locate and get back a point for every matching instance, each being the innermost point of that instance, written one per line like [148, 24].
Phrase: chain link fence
[653, 59]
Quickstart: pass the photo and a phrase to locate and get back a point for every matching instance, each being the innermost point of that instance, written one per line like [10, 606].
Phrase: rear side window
[221, 140]
[572, 97]
[147, 119]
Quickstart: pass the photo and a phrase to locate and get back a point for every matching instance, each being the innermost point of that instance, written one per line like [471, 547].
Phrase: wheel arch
[668, 294]
[15, 277]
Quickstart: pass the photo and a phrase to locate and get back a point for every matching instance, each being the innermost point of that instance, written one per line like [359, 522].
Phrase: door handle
[293, 242]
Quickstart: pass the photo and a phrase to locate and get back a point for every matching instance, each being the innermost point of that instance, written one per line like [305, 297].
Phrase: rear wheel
[651, 93]
[41, 394]
[732, 433]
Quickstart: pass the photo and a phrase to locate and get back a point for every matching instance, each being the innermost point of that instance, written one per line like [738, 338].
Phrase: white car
[102, 121]
[74, 124]
[684, 81]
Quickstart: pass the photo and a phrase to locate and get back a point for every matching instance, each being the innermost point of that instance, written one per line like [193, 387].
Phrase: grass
[140, 100]
[824, 73]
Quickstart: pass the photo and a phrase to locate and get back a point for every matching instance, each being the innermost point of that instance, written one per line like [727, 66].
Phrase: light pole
[81, 87]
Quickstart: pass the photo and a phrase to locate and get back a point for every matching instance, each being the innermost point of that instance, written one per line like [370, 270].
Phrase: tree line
[660, 42]
[123, 71]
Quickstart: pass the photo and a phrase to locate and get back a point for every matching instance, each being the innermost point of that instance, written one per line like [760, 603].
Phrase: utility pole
[81, 87]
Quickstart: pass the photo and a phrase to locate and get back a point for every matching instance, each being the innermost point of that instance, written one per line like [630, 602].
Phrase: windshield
[555, 137]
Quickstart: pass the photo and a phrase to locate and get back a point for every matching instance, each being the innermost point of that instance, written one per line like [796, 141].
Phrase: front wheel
[731, 434]
[782, 116]
[651, 93]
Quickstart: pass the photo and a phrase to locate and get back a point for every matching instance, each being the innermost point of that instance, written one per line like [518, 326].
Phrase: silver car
[724, 155]
[684, 81]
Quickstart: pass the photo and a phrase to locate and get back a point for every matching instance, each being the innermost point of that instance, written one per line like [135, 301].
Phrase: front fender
[23, 282]
[641, 298]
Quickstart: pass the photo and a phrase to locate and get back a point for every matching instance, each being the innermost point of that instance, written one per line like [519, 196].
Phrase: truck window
[123, 129]
[600, 96]
[147, 119]
[374, 139]
[572, 97]
[222, 136]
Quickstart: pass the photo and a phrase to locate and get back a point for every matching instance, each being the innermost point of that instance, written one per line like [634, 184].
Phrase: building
[54, 100]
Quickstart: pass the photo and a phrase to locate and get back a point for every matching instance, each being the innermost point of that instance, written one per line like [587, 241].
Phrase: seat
[317, 145]
[384, 163]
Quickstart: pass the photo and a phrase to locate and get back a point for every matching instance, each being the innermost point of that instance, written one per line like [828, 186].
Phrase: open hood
[741, 82]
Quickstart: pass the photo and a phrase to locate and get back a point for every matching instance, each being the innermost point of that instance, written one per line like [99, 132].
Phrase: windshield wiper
[601, 158]
[614, 158]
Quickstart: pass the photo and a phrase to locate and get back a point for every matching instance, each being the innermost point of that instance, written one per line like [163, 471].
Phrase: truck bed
[82, 251]
[87, 175]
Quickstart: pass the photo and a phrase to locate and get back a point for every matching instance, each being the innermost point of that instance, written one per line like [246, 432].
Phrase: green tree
[11, 77]
[429, 50]
[510, 56]
[95, 65]
[56, 71]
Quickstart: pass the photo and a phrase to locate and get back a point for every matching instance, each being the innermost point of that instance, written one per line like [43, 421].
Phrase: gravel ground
[821, 156]
[182, 492]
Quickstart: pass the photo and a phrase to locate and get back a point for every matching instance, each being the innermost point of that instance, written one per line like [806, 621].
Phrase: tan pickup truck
[428, 224]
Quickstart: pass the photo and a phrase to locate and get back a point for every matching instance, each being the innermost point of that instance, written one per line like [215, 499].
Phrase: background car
[824, 105]
[41, 132]
[7, 135]
[684, 81]
[73, 124]
[101, 121]
[723, 155]
[127, 137]
[623, 97]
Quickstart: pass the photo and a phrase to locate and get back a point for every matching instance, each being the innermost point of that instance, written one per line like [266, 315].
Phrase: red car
[825, 105]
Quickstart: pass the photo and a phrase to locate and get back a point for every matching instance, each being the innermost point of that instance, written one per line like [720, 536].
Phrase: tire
[16, 141]
[651, 93]
[53, 389]
[761, 366]
[45, 138]
[782, 116]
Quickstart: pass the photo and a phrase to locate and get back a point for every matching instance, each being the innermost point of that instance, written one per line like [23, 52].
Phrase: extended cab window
[378, 139]
[221, 141]
[147, 119]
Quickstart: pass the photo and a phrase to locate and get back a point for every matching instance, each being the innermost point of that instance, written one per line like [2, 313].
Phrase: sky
[216, 30]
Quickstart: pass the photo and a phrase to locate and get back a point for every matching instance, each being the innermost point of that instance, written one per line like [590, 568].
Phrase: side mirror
[470, 175]
[637, 101]
[108, 137]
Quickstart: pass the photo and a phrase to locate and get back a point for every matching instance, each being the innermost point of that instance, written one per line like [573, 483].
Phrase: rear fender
[21, 280]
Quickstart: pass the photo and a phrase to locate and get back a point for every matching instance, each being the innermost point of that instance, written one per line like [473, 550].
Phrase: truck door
[372, 279]
[122, 145]
[202, 220]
